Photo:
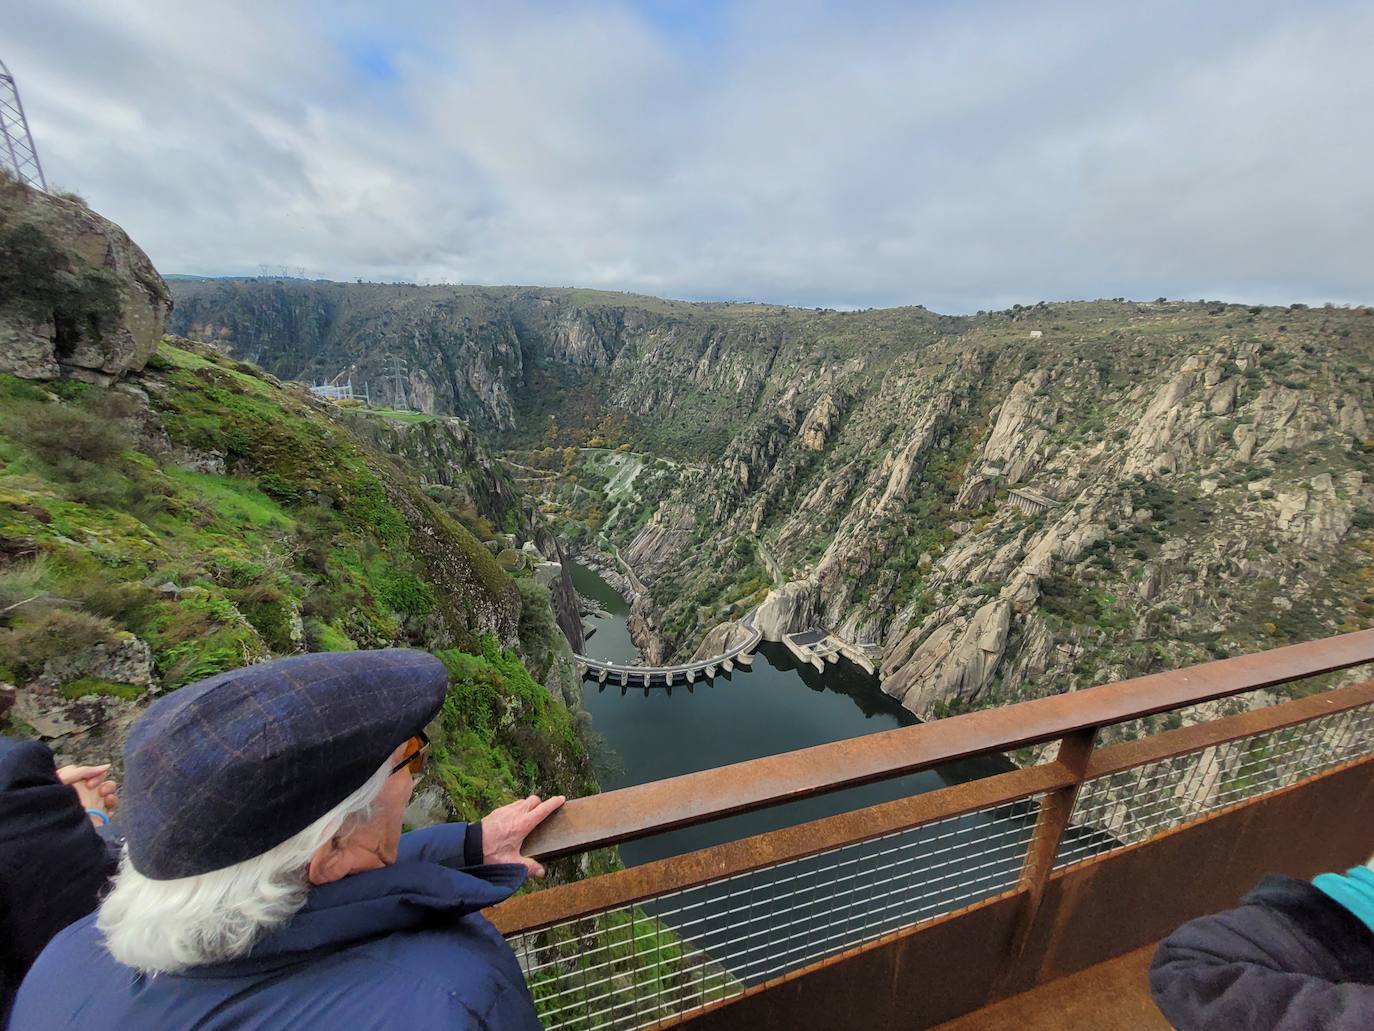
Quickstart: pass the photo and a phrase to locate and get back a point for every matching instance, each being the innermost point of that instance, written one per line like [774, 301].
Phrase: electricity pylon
[400, 370]
[20, 155]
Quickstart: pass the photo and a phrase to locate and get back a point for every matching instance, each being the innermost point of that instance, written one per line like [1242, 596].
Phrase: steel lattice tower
[19, 152]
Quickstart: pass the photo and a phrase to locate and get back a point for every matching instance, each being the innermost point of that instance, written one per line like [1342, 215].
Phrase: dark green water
[773, 707]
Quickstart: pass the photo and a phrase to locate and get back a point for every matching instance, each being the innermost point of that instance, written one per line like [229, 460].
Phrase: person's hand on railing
[504, 830]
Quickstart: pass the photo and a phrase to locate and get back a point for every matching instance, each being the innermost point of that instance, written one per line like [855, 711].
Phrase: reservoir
[773, 707]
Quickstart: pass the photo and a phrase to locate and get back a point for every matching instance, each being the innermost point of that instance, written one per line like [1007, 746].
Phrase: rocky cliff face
[509, 358]
[456, 354]
[1200, 492]
[77, 296]
[462, 476]
[1017, 503]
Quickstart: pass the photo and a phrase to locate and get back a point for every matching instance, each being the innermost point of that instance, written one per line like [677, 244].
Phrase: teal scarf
[1353, 890]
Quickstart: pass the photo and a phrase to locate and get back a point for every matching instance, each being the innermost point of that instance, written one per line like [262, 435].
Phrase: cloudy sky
[960, 155]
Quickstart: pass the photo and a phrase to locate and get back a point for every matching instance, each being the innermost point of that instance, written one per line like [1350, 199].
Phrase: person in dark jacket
[53, 861]
[1293, 957]
[266, 882]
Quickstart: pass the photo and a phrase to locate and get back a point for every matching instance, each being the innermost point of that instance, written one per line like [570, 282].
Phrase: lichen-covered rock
[1022, 428]
[77, 296]
[124, 660]
[1313, 515]
[820, 422]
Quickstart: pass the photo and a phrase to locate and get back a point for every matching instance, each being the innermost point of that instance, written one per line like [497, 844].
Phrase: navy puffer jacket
[53, 864]
[401, 947]
[1290, 958]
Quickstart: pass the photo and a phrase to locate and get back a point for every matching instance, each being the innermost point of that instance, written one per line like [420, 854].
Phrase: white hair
[167, 926]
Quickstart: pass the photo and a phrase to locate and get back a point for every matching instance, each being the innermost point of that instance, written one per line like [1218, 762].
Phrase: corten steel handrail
[646, 809]
[1065, 774]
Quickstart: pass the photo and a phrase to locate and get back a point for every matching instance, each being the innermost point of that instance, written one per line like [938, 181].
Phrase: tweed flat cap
[225, 769]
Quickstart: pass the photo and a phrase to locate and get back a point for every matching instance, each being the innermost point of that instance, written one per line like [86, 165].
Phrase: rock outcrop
[719, 640]
[788, 609]
[820, 423]
[77, 296]
[951, 658]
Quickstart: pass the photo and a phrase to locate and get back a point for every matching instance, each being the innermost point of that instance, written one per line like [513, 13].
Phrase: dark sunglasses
[415, 760]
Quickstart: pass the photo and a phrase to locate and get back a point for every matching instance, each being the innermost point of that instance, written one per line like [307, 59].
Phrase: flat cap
[224, 769]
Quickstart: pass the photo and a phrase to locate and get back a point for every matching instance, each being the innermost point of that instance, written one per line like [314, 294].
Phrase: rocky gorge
[996, 506]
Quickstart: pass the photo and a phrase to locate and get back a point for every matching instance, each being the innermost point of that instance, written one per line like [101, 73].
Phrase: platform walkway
[1110, 996]
[955, 903]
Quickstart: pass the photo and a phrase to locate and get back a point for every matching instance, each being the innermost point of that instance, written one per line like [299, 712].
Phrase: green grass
[234, 500]
[179, 358]
[88, 686]
[328, 638]
[310, 528]
[396, 415]
[502, 736]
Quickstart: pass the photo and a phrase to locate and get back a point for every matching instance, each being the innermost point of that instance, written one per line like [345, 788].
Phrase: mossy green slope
[224, 518]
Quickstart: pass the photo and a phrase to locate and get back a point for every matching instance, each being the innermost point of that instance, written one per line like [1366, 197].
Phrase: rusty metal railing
[652, 943]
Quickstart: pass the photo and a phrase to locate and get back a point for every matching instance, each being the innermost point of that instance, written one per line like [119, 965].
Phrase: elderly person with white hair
[265, 880]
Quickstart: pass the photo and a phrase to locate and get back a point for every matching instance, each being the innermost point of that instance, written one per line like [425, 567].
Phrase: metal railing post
[1075, 750]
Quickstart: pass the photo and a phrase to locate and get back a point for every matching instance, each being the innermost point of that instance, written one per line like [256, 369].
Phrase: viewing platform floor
[1110, 996]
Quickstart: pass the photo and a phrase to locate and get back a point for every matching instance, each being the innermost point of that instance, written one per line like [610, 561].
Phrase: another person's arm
[1251, 968]
[94, 789]
[55, 863]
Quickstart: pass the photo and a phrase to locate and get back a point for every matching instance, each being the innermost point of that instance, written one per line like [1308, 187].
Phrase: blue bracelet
[97, 812]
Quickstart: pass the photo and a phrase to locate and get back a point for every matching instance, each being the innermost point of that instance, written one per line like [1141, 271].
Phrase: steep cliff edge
[181, 513]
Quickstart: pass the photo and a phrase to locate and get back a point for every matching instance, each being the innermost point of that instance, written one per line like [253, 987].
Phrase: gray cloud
[956, 155]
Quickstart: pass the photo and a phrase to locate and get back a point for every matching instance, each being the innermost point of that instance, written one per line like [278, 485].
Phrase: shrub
[46, 633]
[61, 433]
[403, 592]
[279, 488]
[125, 602]
[24, 582]
[271, 614]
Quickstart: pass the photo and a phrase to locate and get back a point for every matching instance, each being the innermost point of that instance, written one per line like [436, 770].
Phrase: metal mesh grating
[1130, 806]
[635, 965]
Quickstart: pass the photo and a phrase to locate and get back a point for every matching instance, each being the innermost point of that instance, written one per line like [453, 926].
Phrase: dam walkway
[740, 655]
